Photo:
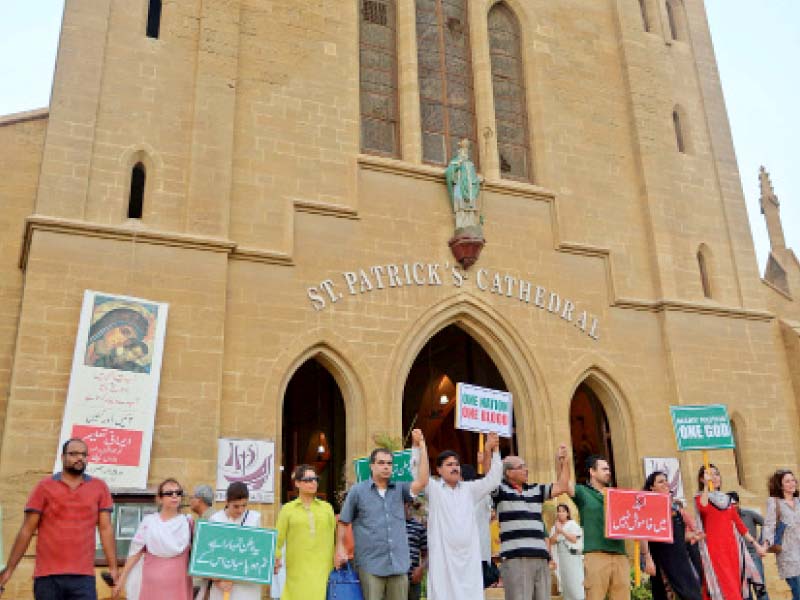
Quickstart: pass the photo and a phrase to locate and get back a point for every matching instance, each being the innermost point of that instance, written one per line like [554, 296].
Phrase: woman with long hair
[672, 573]
[164, 540]
[566, 544]
[308, 527]
[236, 513]
[727, 565]
[783, 506]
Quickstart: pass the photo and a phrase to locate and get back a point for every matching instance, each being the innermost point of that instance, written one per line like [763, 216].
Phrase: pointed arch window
[645, 19]
[511, 118]
[154, 19]
[136, 197]
[378, 77]
[674, 18]
[679, 125]
[447, 107]
[702, 264]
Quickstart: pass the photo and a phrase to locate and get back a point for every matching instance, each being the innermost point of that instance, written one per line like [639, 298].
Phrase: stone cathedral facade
[274, 170]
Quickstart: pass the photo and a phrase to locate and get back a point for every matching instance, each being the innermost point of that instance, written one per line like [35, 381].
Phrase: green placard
[233, 552]
[704, 427]
[401, 467]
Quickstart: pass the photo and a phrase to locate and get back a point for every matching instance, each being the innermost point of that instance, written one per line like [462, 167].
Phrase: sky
[757, 46]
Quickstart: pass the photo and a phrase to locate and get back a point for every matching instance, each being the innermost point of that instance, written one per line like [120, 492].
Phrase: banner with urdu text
[113, 388]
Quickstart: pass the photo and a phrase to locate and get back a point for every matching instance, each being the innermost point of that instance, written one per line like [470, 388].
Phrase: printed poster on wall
[670, 466]
[250, 461]
[113, 388]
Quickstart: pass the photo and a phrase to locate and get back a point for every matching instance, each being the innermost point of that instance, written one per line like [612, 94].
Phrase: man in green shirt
[606, 564]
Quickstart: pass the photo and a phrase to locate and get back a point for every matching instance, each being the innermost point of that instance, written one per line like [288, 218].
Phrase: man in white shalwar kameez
[454, 549]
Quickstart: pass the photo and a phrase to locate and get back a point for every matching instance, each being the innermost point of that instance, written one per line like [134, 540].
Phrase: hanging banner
[250, 461]
[637, 515]
[113, 388]
[705, 427]
[483, 410]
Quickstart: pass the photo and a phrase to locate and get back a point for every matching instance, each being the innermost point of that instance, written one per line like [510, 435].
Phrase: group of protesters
[715, 556]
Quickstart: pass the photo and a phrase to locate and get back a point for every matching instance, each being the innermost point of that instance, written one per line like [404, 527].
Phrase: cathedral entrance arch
[313, 429]
[449, 357]
[590, 431]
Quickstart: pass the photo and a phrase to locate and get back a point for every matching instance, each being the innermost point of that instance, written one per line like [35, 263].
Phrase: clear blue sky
[757, 46]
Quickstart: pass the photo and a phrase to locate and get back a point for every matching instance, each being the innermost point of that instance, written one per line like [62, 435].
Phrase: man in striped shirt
[523, 539]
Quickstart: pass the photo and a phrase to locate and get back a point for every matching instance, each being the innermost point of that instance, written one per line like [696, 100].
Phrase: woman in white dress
[159, 554]
[236, 513]
[566, 543]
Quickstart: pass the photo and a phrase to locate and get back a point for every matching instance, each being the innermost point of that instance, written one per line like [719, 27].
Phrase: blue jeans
[64, 587]
[794, 585]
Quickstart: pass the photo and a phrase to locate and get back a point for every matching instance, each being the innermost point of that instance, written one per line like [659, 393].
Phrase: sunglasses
[177, 493]
[309, 479]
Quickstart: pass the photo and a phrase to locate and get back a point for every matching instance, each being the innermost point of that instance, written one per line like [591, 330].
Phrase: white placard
[250, 461]
[113, 388]
[484, 410]
[670, 466]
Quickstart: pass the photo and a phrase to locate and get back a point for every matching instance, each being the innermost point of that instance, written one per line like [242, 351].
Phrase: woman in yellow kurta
[307, 526]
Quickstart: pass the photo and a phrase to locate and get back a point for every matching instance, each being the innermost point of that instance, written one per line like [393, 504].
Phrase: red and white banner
[113, 388]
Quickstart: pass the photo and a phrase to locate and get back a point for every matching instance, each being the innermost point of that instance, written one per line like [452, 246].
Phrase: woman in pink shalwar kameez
[164, 540]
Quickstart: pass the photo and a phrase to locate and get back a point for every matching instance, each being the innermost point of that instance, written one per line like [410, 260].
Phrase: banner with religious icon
[250, 461]
[113, 388]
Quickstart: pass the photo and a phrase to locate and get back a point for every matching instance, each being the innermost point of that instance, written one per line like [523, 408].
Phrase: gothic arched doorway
[450, 357]
[590, 432]
[313, 429]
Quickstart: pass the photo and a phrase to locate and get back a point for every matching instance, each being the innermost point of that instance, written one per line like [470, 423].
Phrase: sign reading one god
[637, 515]
[483, 410]
[419, 274]
[704, 427]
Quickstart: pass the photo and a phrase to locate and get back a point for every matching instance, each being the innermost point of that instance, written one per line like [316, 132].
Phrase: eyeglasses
[177, 493]
[309, 479]
[519, 467]
[77, 454]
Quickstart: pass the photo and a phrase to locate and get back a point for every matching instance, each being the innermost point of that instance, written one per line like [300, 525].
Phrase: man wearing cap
[66, 508]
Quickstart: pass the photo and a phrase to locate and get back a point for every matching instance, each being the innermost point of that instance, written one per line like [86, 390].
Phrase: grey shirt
[379, 527]
[751, 520]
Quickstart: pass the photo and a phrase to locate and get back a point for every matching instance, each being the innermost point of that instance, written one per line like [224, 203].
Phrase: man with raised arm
[523, 538]
[66, 508]
[376, 509]
[454, 550]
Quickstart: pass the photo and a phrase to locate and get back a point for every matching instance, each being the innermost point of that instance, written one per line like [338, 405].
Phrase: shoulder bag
[780, 528]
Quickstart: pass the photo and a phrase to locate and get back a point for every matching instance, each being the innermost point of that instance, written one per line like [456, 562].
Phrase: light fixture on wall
[443, 399]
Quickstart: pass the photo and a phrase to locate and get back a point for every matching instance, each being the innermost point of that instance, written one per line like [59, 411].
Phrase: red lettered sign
[637, 515]
[109, 446]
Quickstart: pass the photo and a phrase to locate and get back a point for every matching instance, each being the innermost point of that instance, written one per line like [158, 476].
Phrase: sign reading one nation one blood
[637, 515]
[483, 410]
[705, 427]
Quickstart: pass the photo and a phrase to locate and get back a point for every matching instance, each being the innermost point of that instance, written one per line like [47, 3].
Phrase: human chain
[716, 555]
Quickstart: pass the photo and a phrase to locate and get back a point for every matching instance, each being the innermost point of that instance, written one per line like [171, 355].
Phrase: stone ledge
[21, 117]
[131, 232]
[671, 305]
[436, 174]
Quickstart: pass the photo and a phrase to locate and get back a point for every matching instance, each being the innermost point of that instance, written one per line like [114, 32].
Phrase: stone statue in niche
[464, 187]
